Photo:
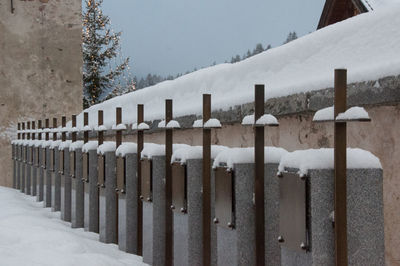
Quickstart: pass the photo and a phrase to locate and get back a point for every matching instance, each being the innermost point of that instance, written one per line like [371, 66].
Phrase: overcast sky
[173, 36]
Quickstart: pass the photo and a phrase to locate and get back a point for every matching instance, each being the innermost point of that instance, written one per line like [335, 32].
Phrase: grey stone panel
[227, 246]
[47, 183]
[56, 184]
[159, 212]
[77, 193]
[194, 213]
[23, 167]
[92, 196]
[34, 176]
[364, 219]
[28, 172]
[148, 232]
[108, 203]
[18, 169]
[40, 181]
[271, 206]
[128, 208]
[214, 234]
[180, 234]
[65, 203]
[14, 183]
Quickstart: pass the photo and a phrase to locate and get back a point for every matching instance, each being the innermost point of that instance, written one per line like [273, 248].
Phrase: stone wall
[40, 66]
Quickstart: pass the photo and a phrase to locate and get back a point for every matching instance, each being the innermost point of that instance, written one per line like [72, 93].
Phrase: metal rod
[19, 128]
[140, 144]
[73, 138]
[12, 6]
[85, 123]
[259, 175]
[206, 200]
[23, 128]
[118, 135]
[100, 134]
[63, 125]
[47, 126]
[168, 184]
[54, 127]
[33, 128]
[28, 127]
[340, 170]
[40, 127]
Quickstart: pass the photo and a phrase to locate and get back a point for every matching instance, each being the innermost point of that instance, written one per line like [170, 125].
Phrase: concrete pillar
[47, 180]
[41, 175]
[77, 193]
[18, 166]
[23, 168]
[34, 173]
[13, 157]
[365, 230]
[56, 182]
[65, 191]
[108, 202]
[128, 207]
[91, 196]
[28, 169]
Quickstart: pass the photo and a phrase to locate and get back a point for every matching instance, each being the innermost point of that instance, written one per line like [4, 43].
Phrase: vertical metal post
[340, 169]
[168, 184]
[19, 128]
[33, 128]
[140, 140]
[63, 125]
[28, 127]
[118, 135]
[23, 128]
[85, 123]
[100, 134]
[259, 175]
[47, 126]
[206, 200]
[73, 137]
[54, 127]
[40, 127]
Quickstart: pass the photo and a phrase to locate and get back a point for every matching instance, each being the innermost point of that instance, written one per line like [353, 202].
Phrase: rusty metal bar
[118, 135]
[340, 169]
[100, 134]
[168, 185]
[12, 7]
[206, 200]
[54, 127]
[85, 123]
[33, 128]
[28, 127]
[47, 126]
[63, 125]
[23, 128]
[19, 128]
[140, 140]
[73, 138]
[40, 127]
[259, 175]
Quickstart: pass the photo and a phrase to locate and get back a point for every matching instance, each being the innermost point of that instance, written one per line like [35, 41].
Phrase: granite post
[56, 182]
[128, 207]
[41, 170]
[91, 209]
[28, 169]
[108, 202]
[18, 166]
[65, 203]
[47, 180]
[77, 204]
[13, 158]
[23, 168]
[34, 174]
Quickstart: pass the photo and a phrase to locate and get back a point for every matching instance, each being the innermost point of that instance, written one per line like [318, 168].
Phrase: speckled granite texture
[28, 172]
[148, 232]
[91, 196]
[34, 175]
[65, 204]
[77, 204]
[56, 183]
[41, 175]
[47, 181]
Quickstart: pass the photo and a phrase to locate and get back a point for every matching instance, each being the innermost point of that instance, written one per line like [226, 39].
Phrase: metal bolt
[172, 207]
[149, 199]
[302, 177]
[103, 186]
[116, 190]
[230, 225]
[215, 220]
[303, 246]
[183, 210]
[279, 174]
[280, 239]
[141, 197]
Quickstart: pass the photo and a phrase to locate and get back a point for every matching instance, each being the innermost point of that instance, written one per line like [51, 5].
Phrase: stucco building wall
[40, 66]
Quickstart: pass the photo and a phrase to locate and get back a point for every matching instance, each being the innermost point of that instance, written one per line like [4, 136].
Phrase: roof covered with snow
[366, 45]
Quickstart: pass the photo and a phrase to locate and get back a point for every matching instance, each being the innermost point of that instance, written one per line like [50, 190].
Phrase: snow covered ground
[367, 45]
[33, 235]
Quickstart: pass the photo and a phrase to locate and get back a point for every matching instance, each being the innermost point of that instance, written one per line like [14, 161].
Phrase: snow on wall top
[194, 152]
[233, 156]
[90, 145]
[365, 44]
[107, 146]
[323, 159]
[377, 4]
[125, 148]
[152, 149]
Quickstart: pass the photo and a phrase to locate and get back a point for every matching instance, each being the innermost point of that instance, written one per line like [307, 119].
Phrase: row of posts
[117, 197]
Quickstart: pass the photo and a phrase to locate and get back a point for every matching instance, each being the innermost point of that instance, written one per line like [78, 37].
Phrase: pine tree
[259, 49]
[291, 37]
[100, 46]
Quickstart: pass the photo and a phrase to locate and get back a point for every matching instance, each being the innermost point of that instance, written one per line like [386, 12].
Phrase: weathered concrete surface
[296, 131]
[40, 66]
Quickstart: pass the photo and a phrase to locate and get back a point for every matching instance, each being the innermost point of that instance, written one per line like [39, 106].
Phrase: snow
[134, 126]
[107, 146]
[125, 148]
[265, 120]
[46, 143]
[76, 145]
[198, 123]
[55, 144]
[173, 124]
[74, 129]
[194, 152]
[233, 156]
[90, 145]
[65, 145]
[119, 127]
[161, 124]
[33, 235]
[377, 4]
[323, 159]
[212, 123]
[87, 128]
[354, 113]
[143, 126]
[152, 149]
[366, 45]
[326, 114]
[100, 128]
